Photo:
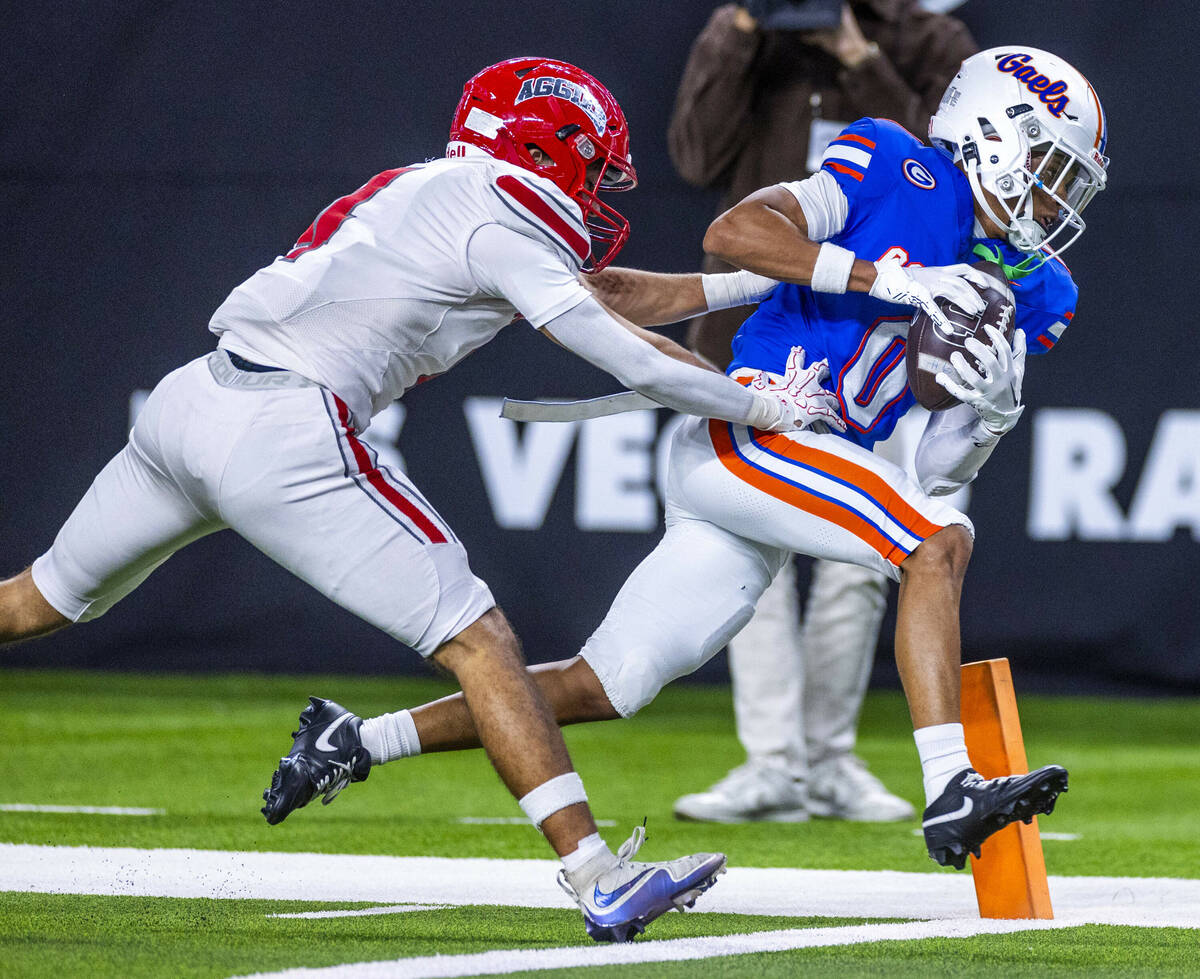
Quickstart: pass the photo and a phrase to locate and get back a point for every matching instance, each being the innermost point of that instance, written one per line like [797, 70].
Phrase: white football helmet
[1015, 119]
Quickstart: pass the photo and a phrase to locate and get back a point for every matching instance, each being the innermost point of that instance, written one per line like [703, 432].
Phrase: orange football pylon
[1010, 874]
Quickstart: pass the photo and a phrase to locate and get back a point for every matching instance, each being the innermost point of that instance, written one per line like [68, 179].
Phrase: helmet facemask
[606, 172]
[1051, 167]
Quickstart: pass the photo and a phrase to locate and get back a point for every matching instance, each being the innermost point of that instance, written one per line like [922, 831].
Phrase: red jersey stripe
[330, 219]
[529, 200]
[381, 485]
[1045, 341]
[855, 138]
[843, 169]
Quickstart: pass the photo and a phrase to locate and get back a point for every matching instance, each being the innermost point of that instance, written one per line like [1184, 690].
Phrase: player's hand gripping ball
[929, 348]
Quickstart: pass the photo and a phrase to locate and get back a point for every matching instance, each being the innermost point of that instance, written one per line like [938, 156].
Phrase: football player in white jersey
[393, 283]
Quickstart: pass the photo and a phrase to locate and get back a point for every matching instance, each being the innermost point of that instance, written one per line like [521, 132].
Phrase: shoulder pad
[849, 154]
[534, 207]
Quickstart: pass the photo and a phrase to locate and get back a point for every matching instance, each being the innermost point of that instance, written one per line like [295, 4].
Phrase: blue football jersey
[1045, 296]
[908, 201]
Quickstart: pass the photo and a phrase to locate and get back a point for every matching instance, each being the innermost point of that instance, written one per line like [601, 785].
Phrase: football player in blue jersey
[839, 260]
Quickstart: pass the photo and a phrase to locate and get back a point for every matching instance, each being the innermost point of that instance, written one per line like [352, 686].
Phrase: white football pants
[798, 685]
[274, 457]
[739, 503]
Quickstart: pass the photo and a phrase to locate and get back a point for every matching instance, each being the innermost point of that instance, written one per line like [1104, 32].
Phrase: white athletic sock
[943, 754]
[588, 861]
[390, 736]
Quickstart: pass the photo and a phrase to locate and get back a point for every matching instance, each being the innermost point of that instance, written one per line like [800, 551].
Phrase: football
[929, 350]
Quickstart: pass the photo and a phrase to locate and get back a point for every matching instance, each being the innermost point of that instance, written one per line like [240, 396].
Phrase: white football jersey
[379, 294]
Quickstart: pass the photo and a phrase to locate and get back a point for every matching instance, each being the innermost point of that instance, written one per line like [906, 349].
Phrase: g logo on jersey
[545, 86]
[917, 175]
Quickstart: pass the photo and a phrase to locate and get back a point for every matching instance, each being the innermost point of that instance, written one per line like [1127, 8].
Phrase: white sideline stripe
[1065, 837]
[512, 821]
[671, 950]
[1147, 901]
[86, 810]
[361, 912]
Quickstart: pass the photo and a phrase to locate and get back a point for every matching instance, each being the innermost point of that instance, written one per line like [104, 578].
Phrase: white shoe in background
[749, 793]
[843, 788]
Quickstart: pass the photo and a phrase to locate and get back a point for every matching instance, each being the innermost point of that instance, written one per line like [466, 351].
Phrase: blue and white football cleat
[619, 903]
[327, 755]
[972, 808]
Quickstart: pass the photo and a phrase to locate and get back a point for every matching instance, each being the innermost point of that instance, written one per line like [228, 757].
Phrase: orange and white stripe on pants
[837, 482]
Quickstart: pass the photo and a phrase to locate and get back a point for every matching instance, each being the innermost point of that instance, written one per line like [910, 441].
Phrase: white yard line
[512, 821]
[1064, 837]
[361, 912]
[1155, 901]
[85, 810]
[672, 950]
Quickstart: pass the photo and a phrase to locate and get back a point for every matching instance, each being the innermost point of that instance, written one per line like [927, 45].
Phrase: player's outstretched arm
[533, 278]
[657, 298]
[593, 333]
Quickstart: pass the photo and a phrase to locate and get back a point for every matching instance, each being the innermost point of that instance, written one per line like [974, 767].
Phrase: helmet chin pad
[1025, 234]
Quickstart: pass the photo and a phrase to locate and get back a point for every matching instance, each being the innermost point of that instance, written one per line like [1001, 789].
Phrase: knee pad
[634, 664]
[685, 601]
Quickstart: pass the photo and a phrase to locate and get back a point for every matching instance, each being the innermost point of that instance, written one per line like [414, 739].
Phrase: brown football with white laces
[929, 348]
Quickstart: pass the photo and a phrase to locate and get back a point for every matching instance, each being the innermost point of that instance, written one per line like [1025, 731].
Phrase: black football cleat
[327, 755]
[972, 808]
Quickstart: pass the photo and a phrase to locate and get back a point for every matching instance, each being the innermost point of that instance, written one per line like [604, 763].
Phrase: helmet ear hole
[989, 131]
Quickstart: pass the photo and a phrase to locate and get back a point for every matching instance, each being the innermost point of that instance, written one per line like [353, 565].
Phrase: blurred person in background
[767, 85]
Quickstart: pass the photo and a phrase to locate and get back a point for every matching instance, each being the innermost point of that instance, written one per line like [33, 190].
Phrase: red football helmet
[572, 119]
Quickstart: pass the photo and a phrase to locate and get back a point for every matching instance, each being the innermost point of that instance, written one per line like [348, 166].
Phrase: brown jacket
[747, 100]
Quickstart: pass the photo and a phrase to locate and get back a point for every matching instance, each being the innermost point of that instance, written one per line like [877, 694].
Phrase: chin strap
[971, 171]
[1028, 265]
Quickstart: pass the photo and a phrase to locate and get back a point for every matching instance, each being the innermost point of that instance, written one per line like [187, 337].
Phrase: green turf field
[202, 748]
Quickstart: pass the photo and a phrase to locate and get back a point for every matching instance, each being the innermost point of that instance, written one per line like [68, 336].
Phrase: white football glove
[996, 393]
[914, 285]
[801, 399]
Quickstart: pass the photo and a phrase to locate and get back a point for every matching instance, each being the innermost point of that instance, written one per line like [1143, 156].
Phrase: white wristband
[831, 271]
[765, 413]
[549, 797]
[724, 290]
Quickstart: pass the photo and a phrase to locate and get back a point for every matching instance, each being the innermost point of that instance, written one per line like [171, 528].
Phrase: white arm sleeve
[586, 329]
[824, 204]
[525, 271]
[952, 450]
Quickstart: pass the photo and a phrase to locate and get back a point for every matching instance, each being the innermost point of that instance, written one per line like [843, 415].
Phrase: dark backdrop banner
[154, 155]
